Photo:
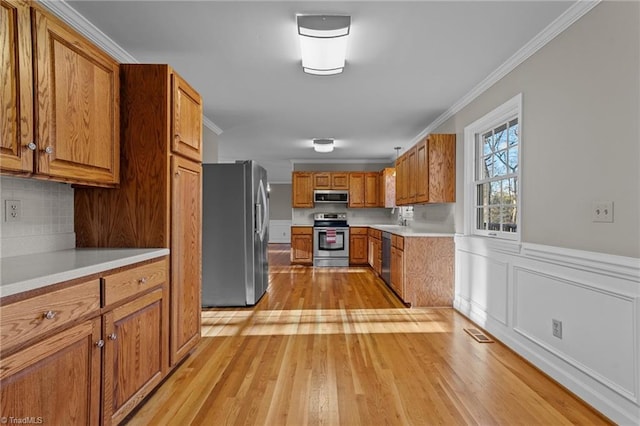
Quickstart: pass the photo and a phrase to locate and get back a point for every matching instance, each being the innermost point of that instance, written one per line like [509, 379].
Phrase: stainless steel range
[330, 239]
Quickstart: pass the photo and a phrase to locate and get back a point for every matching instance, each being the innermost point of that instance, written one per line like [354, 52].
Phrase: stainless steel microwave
[330, 196]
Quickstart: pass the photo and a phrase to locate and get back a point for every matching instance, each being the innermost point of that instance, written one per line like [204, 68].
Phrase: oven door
[325, 244]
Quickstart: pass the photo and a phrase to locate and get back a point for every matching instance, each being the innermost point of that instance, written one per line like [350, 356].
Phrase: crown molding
[561, 23]
[341, 161]
[211, 126]
[70, 16]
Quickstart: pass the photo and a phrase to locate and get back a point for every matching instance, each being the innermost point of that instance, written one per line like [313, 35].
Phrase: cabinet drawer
[24, 320]
[130, 282]
[397, 241]
[302, 230]
[354, 230]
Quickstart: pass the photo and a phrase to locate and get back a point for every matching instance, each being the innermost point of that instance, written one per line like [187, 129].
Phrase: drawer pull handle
[49, 315]
[143, 280]
[100, 343]
[113, 336]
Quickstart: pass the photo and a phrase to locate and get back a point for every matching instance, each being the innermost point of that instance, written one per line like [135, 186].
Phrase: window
[493, 172]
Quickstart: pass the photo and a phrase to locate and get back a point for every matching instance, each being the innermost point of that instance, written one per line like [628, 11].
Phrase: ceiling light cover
[323, 145]
[323, 43]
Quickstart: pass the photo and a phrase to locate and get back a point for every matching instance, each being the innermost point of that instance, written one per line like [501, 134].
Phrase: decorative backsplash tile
[46, 221]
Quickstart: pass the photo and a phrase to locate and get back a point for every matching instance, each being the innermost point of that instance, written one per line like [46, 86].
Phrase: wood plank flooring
[333, 346]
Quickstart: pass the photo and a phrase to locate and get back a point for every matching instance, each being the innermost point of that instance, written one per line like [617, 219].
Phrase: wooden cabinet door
[16, 91]
[401, 197]
[358, 249]
[397, 271]
[356, 189]
[77, 105]
[411, 175]
[371, 186]
[422, 172]
[56, 380]
[302, 245]
[302, 189]
[322, 180]
[442, 168]
[136, 353]
[187, 119]
[339, 180]
[186, 256]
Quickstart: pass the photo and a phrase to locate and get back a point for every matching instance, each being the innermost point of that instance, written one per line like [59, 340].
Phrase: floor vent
[478, 335]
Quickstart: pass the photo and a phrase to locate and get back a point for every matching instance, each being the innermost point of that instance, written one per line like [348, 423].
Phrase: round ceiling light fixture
[323, 145]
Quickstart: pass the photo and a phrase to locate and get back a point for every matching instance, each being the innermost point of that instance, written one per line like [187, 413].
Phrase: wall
[47, 217]
[579, 133]
[280, 213]
[580, 143]
[209, 146]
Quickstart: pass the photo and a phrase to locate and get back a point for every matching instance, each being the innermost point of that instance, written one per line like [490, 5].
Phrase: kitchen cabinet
[159, 201]
[371, 189]
[16, 96]
[302, 245]
[116, 351]
[302, 189]
[331, 180]
[356, 189]
[397, 265]
[427, 173]
[375, 250]
[387, 188]
[75, 96]
[358, 246]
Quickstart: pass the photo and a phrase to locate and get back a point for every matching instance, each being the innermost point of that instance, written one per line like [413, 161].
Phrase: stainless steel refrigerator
[235, 233]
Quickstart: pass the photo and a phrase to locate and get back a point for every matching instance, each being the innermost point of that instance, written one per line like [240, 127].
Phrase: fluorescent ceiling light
[323, 145]
[323, 43]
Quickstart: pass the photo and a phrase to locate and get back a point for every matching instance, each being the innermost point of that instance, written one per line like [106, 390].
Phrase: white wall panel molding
[280, 231]
[600, 263]
[596, 296]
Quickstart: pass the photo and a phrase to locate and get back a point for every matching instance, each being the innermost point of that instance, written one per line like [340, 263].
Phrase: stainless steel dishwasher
[386, 257]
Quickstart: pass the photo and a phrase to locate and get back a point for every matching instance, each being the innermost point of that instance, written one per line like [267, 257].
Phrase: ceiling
[407, 63]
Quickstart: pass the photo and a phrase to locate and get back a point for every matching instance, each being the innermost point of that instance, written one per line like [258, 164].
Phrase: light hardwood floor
[333, 346]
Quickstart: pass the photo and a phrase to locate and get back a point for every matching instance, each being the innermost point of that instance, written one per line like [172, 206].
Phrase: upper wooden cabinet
[371, 189]
[356, 189]
[331, 180]
[16, 92]
[187, 119]
[427, 172]
[302, 189]
[75, 92]
[387, 188]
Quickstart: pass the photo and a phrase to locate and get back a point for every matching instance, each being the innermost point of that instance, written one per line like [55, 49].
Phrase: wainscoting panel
[514, 291]
[280, 231]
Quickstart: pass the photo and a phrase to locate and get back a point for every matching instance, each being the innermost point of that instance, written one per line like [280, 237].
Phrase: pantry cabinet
[72, 86]
[159, 201]
[302, 189]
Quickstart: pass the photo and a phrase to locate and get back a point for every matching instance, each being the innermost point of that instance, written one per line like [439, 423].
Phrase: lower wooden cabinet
[57, 380]
[302, 245]
[375, 250]
[358, 246]
[397, 271]
[94, 367]
[136, 353]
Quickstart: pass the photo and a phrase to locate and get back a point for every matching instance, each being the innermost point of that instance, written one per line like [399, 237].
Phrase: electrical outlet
[602, 211]
[556, 327]
[12, 211]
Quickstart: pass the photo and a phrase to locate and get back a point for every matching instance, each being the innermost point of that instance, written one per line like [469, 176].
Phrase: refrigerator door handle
[261, 218]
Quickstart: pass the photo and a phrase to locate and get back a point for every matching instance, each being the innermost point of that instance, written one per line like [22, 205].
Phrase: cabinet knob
[143, 280]
[177, 136]
[100, 343]
[32, 146]
[113, 336]
[49, 150]
[49, 315]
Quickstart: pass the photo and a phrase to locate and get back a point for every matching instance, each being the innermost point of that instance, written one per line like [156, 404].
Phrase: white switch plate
[12, 210]
[602, 211]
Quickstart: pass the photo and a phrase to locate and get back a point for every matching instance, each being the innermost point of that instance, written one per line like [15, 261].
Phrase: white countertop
[407, 231]
[23, 273]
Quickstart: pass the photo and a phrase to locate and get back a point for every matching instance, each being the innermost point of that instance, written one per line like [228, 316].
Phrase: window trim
[505, 112]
